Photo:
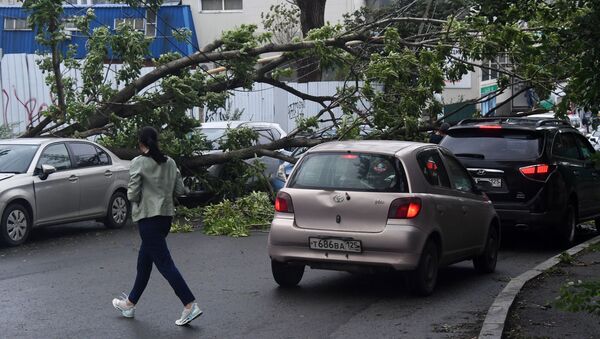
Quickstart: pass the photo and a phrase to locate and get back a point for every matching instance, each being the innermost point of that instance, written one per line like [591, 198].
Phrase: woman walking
[153, 181]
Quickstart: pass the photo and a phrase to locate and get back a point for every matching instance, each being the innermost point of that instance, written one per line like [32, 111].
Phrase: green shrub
[184, 219]
[224, 218]
[580, 296]
[257, 209]
[188, 213]
[236, 218]
[181, 227]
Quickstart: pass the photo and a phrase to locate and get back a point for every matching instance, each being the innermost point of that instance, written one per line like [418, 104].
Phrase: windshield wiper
[470, 155]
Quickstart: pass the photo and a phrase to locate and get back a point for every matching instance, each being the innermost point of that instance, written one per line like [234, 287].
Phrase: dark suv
[537, 172]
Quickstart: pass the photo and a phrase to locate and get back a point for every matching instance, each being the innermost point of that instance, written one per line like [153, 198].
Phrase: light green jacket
[152, 187]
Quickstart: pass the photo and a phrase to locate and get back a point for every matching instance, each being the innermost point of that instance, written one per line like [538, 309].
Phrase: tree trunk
[312, 15]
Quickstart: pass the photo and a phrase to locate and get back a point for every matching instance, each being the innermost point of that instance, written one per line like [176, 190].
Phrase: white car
[573, 119]
[215, 132]
[594, 139]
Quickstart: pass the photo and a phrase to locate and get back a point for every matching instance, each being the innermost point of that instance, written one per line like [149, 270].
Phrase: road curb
[493, 325]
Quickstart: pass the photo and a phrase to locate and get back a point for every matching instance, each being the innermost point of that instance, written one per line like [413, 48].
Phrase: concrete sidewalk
[505, 318]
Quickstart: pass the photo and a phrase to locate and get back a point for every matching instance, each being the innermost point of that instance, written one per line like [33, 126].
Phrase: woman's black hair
[149, 137]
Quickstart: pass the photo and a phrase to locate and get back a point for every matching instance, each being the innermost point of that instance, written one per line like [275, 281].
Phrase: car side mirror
[46, 171]
[483, 186]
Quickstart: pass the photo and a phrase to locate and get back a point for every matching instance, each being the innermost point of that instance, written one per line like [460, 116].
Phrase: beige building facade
[213, 17]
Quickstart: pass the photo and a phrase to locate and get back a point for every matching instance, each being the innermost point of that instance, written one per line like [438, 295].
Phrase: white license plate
[495, 182]
[332, 244]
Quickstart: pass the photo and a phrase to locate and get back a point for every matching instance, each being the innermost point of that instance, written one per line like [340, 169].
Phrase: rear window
[349, 171]
[500, 145]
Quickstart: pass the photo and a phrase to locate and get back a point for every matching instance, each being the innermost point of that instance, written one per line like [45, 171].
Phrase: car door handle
[108, 174]
[73, 178]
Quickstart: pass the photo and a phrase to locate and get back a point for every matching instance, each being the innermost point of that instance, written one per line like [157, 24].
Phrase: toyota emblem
[481, 172]
[338, 198]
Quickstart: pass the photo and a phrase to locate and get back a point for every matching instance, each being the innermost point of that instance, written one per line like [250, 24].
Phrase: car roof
[36, 141]
[532, 123]
[367, 146]
[236, 124]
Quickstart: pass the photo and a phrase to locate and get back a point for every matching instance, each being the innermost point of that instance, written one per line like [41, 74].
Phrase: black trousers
[153, 232]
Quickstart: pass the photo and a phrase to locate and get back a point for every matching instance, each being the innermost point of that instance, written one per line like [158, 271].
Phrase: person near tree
[154, 180]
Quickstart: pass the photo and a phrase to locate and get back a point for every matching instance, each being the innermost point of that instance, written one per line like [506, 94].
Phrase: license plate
[332, 244]
[495, 182]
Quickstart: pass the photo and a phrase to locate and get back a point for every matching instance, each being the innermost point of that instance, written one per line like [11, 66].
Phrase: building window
[135, 23]
[221, 5]
[16, 24]
[147, 25]
[69, 25]
[150, 23]
[490, 68]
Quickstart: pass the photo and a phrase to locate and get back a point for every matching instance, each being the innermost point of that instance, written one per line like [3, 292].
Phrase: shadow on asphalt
[138, 328]
[66, 232]
[540, 241]
[381, 285]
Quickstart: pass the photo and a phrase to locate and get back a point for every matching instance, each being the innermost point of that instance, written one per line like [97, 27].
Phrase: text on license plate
[495, 182]
[333, 244]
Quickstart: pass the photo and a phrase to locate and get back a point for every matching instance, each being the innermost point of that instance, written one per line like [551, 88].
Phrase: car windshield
[495, 146]
[214, 136]
[349, 171]
[16, 158]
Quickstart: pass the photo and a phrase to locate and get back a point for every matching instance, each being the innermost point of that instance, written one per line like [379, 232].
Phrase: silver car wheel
[16, 225]
[119, 210]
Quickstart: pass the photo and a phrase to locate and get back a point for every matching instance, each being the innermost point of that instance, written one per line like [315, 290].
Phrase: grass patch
[566, 259]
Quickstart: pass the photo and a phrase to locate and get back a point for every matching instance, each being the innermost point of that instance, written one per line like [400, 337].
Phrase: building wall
[210, 25]
[460, 91]
[169, 17]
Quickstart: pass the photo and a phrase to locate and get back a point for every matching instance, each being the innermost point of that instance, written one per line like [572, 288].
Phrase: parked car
[539, 172]
[573, 119]
[285, 169]
[53, 181]
[594, 139]
[381, 205]
[215, 133]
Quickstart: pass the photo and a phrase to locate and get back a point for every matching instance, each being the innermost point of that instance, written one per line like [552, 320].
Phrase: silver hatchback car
[381, 205]
[53, 181]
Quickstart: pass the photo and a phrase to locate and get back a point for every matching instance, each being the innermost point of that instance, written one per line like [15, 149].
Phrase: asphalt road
[61, 283]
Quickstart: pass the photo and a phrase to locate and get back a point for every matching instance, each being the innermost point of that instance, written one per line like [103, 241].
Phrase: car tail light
[537, 172]
[490, 127]
[405, 208]
[283, 203]
[349, 156]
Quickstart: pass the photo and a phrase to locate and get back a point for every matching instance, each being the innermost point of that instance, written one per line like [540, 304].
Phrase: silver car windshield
[214, 136]
[350, 171]
[16, 158]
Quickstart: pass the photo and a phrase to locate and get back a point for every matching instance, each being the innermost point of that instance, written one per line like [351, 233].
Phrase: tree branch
[250, 152]
[301, 95]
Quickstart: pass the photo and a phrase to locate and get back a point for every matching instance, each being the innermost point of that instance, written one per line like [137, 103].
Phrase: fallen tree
[391, 66]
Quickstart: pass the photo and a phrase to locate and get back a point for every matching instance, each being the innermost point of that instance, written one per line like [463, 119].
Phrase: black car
[538, 173]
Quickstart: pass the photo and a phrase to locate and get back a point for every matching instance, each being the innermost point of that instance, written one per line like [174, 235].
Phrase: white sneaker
[121, 304]
[188, 315]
